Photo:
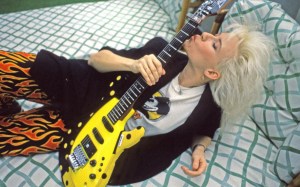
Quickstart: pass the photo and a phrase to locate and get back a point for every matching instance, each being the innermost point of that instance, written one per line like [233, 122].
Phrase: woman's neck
[190, 78]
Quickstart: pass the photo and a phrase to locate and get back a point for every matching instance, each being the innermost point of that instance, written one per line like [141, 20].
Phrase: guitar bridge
[77, 159]
[82, 153]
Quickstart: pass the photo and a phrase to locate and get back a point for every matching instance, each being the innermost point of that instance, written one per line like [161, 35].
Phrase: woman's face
[207, 50]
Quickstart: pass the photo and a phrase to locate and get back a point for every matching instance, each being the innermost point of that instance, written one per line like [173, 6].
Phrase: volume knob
[93, 163]
[92, 176]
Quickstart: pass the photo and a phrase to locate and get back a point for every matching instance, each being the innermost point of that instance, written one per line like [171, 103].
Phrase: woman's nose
[206, 35]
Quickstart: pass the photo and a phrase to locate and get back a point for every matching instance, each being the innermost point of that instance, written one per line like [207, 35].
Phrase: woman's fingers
[196, 170]
[151, 69]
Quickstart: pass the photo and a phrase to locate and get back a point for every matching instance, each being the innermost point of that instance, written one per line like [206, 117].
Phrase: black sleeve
[211, 114]
[153, 46]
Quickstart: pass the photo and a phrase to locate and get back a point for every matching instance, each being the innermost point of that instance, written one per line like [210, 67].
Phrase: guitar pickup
[88, 146]
[107, 124]
[98, 136]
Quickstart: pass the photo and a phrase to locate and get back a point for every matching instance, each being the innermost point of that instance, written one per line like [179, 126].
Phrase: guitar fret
[167, 53]
[130, 97]
[143, 87]
[122, 107]
[177, 44]
[182, 36]
[133, 91]
[172, 47]
[115, 116]
[185, 33]
[109, 115]
[136, 88]
[127, 106]
[191, 25]
[162, 59]
[125, 96]
[118, 111]
[164, 56]
[179, 40]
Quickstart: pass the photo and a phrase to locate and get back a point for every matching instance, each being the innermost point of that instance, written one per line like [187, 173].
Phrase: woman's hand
[149, 67]
[199, 163]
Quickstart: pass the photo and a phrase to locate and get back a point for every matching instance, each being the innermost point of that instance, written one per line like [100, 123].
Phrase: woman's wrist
[133, 66]
[198, 145]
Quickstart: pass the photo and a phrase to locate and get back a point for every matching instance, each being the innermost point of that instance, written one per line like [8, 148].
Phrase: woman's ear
[212, 74]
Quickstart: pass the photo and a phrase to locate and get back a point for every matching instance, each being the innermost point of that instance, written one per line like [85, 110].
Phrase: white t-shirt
[167, 109]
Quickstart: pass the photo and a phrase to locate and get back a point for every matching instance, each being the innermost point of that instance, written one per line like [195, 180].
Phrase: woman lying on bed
[181, 107]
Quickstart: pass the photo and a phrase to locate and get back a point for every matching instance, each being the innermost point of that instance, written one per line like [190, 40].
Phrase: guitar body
[96, 149]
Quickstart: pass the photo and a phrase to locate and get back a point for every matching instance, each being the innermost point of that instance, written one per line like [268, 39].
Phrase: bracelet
[198, 144]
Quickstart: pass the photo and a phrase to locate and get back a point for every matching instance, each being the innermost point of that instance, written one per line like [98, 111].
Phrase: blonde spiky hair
[242, 76]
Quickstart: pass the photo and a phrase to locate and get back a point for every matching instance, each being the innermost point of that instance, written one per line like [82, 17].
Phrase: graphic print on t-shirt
[155, 107]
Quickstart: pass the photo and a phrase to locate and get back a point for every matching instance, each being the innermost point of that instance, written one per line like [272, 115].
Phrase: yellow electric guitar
[91, 155]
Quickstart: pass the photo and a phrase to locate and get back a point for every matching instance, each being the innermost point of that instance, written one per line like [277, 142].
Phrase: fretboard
[138, 87]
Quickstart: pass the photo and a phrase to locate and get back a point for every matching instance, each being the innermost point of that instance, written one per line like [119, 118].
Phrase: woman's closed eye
[214, 45]
[217, 44]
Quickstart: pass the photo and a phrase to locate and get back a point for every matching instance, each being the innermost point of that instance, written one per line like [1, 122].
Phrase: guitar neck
[138, 87]
[166, 54]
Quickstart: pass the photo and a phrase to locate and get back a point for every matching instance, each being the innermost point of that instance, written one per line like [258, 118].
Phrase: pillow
[277, 113]
[291, 6]
[286, 164]
[173, 9]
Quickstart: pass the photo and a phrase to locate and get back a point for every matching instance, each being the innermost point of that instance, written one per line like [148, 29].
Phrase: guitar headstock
[208, 8]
